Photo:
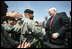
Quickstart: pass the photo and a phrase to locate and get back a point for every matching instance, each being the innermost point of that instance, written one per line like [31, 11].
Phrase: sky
[40, 8]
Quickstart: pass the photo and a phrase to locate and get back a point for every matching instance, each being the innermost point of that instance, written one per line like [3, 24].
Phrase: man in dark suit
[56, 28]
[44, 22]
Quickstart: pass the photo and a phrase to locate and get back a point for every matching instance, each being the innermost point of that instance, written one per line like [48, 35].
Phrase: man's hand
[24, 45]
[27, 45]
[55, 35]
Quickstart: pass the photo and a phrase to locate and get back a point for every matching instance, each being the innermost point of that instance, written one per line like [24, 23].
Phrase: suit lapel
[49, 21]
[54, 19]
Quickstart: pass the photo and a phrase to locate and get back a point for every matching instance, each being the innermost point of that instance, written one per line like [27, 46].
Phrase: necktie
[51, 21]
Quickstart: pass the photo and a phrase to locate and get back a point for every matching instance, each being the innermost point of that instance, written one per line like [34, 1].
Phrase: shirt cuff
[58, 34]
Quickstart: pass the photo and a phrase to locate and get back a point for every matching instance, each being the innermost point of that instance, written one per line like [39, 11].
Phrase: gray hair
[52, 9]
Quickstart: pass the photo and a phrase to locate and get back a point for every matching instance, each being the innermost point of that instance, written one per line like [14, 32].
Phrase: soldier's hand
[24, 45]
[27, 45]
[20, 45]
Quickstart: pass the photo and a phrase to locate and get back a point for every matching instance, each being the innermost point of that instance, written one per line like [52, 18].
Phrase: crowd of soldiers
[17, 32]
[27, 31]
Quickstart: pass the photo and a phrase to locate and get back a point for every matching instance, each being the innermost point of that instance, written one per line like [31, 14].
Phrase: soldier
[6, 41]
[17, 30]
[9, 25]
[30, 32]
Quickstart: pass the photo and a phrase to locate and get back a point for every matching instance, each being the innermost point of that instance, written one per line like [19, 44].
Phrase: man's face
[19, 21]
[31, 16]
[15, 22]
[45, 17]
[11, 22]
[51, 13]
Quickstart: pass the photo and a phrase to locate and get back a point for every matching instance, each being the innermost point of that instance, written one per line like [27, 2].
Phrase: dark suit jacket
[43, 24]
[60, 24]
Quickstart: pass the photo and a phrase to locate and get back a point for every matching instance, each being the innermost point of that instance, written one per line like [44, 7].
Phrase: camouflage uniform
[6, 41]
[30, 32]
[8, 28]
[17, 30]
[17, 27]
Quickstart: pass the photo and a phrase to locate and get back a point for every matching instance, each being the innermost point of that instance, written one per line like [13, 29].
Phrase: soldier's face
[11, 22]
[15, 22]
[19, 21]
[31, 16]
